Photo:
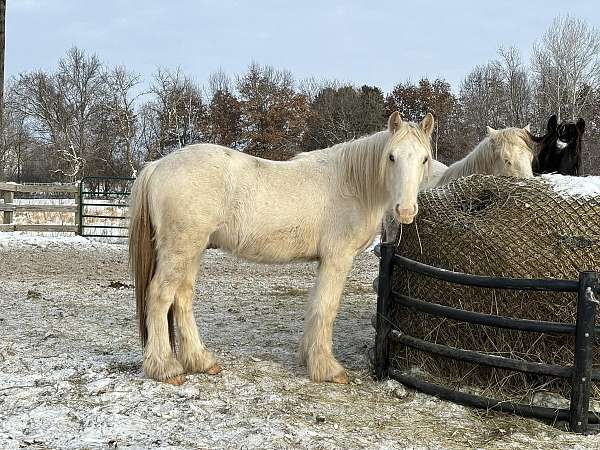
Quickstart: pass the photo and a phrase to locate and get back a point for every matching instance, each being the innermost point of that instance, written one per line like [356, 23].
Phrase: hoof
[176, 381]
[214, 369]
[341, 378]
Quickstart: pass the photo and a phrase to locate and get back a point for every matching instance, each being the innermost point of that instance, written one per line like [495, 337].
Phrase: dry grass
[499, 227]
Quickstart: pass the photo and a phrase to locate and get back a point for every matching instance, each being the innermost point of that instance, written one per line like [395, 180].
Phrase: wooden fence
[10, 209]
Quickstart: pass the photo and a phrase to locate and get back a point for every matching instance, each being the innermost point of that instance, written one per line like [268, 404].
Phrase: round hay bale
[546, 227]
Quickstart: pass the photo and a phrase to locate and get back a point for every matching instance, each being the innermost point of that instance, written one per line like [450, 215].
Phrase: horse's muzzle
[406, 215]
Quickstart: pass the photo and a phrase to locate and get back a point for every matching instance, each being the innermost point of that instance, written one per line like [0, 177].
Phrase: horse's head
[560, 147]
[513, 151]
[407, 157]
[569, 133]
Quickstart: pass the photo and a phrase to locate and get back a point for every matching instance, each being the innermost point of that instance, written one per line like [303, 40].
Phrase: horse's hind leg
[193, 354]
[316, 347]
[160, 362]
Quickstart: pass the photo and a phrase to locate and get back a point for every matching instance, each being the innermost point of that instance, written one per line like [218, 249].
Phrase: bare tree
[179, 109]
[566, 63]
[17, 138]
[219, 81]
[63, 108]
[481, 100]
[121, 105]
[517, 91]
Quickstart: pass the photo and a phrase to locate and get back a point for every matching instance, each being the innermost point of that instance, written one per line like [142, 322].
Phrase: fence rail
[10, 209]
[85, 216]
[580, 374]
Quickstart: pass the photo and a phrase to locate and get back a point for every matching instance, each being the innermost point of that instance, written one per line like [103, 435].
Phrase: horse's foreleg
[193, 354]
[316, 347]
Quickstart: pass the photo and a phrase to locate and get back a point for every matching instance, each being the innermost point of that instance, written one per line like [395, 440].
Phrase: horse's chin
[405, 220]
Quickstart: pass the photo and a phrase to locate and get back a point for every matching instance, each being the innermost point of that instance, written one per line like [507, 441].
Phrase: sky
[364, 42]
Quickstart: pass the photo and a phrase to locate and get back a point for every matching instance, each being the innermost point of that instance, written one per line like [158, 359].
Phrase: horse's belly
[268, 246]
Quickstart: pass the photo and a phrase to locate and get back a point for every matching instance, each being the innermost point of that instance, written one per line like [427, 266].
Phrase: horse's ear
[528, 128]
[490, 131]
[427, 124]
[580, 125]
[394, 122]
[552, 123]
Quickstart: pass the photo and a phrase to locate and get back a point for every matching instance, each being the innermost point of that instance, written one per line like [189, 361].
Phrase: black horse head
[560, 148]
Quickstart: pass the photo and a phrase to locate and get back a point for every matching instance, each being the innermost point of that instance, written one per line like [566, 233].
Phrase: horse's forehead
[514, 144]
[410, 143]
[568, 128]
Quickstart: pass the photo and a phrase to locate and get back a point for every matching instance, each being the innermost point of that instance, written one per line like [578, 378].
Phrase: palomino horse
[323, 206]
[507, 152]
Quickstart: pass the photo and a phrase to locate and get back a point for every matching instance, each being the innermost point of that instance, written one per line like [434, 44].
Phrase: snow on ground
[574, 186]
[70, 365]
[20, 239]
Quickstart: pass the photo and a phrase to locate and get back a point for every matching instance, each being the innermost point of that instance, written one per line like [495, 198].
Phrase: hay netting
[497, 226]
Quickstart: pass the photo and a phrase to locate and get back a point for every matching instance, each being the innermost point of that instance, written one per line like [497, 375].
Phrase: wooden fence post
[8, 197]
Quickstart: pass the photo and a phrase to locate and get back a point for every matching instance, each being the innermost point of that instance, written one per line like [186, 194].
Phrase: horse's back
[256, 208]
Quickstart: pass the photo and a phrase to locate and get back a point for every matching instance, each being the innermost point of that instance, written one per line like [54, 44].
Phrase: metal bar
[483, 281]
[108, 178]
[80, 213]
[491, 320]
[122, 205]
[104, 193]
[106, 235]
[384, 325]
[482, 359]
[584, 342]
[116, 227]
[477, 401]
[104, 217]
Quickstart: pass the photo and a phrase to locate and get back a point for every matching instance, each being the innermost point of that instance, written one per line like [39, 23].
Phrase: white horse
[323, 206]
[506, 152]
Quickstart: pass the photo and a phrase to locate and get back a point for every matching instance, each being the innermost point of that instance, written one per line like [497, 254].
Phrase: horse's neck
[474, 162]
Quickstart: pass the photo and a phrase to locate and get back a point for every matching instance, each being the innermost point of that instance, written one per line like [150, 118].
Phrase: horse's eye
[392, 159]
[425, 160]
[508, 162]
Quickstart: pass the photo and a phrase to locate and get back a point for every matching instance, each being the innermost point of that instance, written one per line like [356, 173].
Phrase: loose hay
[498, 227]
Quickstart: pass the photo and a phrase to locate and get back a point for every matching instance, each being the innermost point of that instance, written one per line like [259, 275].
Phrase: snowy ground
[70, 365]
